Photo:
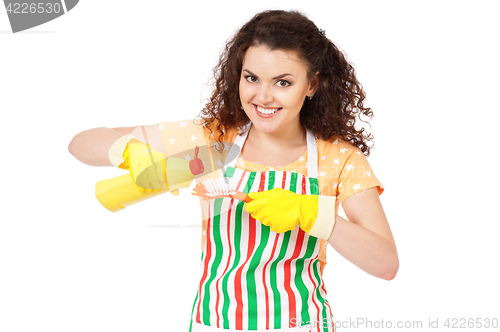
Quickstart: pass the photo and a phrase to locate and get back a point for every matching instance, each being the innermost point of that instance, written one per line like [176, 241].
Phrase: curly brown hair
[337, 103]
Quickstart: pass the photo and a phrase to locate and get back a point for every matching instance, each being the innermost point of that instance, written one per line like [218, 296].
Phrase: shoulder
[347, 167]
[336, 147]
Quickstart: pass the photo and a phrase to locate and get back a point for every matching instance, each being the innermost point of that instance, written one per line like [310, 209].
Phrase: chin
[265, 128]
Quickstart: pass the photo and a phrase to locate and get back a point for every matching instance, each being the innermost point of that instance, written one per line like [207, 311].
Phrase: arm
[91, 146]
[366, 239]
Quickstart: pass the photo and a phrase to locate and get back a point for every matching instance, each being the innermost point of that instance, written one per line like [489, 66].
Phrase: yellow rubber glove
[146, 165]
[282, 210]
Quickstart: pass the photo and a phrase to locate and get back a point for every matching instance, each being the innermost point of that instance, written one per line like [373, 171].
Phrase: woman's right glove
[282, 210]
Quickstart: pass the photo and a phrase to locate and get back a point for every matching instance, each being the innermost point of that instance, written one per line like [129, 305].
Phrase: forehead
[273, 62]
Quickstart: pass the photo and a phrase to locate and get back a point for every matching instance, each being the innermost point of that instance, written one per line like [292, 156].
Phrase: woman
[287, 98]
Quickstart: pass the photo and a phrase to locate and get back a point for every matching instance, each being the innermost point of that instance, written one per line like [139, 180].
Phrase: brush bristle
[217, 187]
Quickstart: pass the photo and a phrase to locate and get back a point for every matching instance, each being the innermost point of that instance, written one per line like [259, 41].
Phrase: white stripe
[231, 280]
[244, 252]
[287, 180]
[280, 281]
[270, 257]
[313, 312]
[266, 256]
[285, 297]
[225, 228]
[293, 273]
[278, 179]
[212, 288]
[232, 277]
[305, 276]
[308, 186]
[312, 156]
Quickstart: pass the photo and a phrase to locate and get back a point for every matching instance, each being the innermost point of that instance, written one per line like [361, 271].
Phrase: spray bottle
[117, 193]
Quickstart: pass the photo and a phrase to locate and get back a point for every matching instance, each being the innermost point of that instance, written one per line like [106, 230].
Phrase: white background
[430, 70]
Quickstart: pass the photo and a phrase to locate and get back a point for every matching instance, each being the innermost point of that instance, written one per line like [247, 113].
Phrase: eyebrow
[274, 78]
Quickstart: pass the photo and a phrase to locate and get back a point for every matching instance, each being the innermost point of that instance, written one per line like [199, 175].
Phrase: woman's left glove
[282, 210]
[145, 164]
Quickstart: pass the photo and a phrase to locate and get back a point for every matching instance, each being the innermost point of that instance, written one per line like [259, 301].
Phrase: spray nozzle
[196, 165]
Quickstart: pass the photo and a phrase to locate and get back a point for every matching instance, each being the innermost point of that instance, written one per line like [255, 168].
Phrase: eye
[283, 83]
[251, 79]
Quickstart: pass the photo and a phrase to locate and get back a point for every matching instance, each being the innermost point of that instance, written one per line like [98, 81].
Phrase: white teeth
[267, 110]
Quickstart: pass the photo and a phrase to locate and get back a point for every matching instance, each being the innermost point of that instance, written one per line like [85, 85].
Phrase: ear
[313, 84]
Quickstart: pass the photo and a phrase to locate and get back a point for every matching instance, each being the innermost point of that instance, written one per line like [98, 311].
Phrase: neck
[289, 137]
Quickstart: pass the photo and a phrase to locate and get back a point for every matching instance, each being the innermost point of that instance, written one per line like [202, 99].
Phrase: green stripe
[196, 298]
[192, 312]
[272, 178]
[318, 294]
[293, 182]
[229, 172]
[299, 262]
[274, 280]
[237, 256]
[197, 293]
[218, 258]
[250, 278]
[251, 284]
[314, 189]
[249, 183]
[254, 264]
[313, 182]
[274, 288]
[299, 282]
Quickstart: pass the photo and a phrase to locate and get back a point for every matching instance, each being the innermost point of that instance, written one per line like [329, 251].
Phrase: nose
[265, 95]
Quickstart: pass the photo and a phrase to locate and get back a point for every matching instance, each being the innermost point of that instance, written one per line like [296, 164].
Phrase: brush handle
[242, 197]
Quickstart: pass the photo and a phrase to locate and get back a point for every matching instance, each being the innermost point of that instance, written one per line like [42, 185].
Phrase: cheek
[293, 99]
[246, 93]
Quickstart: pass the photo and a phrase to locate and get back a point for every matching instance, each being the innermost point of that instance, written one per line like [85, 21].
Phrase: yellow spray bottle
[117, 193]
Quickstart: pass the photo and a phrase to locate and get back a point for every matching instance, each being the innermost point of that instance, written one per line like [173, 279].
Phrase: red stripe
[261, 188]
[327, 304]
[238, 187]
[251, 245]
[205, 269]
[230, 249]
[288, 274]
[304, 185]
[276, 238]
[266, 291]
[237, 282]
[284, 181]
[228, 226]
[238, 287]
[262, 181]
[313, 294]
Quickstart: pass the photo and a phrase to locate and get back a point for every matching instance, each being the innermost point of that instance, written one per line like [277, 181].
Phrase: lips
[266, 112]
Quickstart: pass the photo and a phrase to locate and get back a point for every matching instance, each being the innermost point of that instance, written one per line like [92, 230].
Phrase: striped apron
[253, 279]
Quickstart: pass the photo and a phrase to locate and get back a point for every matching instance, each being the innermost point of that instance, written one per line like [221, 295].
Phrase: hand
[146, 166]
[282, 210]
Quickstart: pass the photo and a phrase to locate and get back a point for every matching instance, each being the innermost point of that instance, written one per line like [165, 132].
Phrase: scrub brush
[218, 188]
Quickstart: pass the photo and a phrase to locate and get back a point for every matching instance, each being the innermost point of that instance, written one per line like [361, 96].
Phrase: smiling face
[273, 87]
